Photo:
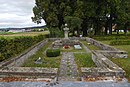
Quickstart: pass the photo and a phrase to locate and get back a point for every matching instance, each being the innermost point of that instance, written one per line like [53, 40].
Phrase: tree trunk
[110, 26]
[84, 27]
[85, 32]
[125, 28]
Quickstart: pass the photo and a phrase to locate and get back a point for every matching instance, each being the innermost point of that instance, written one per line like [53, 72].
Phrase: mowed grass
[91, 47]
[84, 60]
[23, 34]
[124, 63]
[53, 62]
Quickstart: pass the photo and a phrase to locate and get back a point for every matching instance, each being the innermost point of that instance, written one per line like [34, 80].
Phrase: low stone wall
[108, 49]
[105, 67]
[28, 72]
[100, 45]
[71, 38]
[19, 60]
[114, 54]
[99, 72]
[104, 62]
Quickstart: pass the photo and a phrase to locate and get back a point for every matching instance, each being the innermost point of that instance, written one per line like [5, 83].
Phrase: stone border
[28, 72]
[108, 50]
[19, 60]
[11, 68]
[105, 67]
[99, 72]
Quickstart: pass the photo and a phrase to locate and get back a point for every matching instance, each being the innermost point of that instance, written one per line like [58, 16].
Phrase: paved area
[68, 67]
[64, 84]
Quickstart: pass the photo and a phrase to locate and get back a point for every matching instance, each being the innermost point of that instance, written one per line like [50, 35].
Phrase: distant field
[23, 34]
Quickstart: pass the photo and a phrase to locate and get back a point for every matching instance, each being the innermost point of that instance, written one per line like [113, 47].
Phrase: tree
[74, 23]
[92, 12]
[53, 11]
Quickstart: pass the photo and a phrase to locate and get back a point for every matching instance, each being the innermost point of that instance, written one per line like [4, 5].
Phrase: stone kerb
[104, 60]
[108, 50]
[99, 72]
[114, 54]
[101, 45]
[105, 67]
[70, 38]
[19, 60]
[28, 72]
[11, 68]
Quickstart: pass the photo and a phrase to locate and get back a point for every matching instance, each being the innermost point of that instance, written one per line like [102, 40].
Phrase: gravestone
[78, 47]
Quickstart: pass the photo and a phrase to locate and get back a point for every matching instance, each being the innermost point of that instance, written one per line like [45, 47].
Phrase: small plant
[53, 52]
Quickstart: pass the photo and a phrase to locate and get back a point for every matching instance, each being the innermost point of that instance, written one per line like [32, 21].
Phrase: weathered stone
[109, 50]
[28, 72]
[19, 60]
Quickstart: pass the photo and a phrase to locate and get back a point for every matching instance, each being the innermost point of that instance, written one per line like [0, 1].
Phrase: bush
[53, 52]
[56, 32]
[120, 42]
[111, 38]
[14, 46]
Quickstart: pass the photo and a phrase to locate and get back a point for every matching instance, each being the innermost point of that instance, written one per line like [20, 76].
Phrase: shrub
[56, 32]
[111, 38]
[120, 42]
[53, 52]
[14, 46]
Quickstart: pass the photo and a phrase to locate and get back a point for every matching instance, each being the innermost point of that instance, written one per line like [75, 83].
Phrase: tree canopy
[83, 14]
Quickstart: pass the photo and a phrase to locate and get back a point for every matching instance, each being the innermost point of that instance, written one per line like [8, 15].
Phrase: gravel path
[68, 67]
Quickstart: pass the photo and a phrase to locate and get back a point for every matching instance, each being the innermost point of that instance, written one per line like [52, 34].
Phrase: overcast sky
[16, 13]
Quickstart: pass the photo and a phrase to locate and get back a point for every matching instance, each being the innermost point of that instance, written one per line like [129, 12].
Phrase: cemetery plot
[124, 63]
[44, 61]
[73, 64]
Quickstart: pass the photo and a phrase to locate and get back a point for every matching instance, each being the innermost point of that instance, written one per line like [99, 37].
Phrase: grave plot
[53, 62]
[68, 45]
[31, 64]
[105, 67]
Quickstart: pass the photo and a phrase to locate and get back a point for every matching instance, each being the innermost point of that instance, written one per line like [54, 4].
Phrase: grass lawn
[106, 42]
[91, 47]
[53, 62]
[84, 60]
[124, 63]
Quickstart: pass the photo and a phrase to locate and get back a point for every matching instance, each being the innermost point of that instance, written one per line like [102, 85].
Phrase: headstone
[78, 47]
[38, 61]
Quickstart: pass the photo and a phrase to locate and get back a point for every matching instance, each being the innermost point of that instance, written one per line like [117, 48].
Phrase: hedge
[14, 46]
[111, 38]
[120, 42]
[53, 52]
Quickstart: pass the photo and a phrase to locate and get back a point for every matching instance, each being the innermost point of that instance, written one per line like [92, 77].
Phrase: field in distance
[23, 34]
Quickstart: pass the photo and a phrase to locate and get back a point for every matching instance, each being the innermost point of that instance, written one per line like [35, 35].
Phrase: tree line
[81, 15]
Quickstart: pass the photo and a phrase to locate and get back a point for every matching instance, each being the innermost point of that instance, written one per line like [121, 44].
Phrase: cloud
[17, 13]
